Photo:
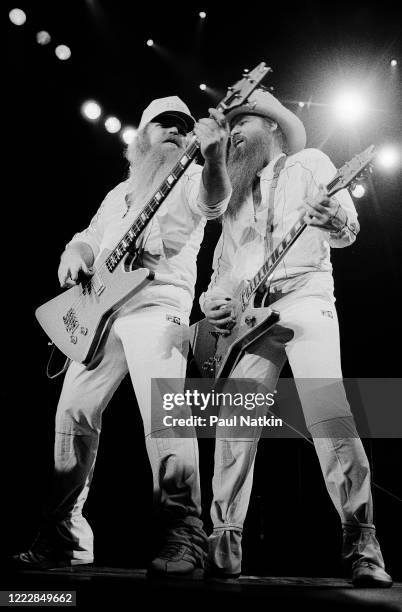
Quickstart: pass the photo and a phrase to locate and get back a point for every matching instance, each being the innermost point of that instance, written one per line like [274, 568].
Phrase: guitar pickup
[97, 284]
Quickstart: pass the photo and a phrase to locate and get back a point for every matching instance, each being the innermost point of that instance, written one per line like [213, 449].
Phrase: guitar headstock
[351, 170]
[238, 93]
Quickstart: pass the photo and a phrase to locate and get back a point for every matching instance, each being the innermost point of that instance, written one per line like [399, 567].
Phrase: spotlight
[43, 37]
[150, 42]
[17, 16]
[203, 87]
[350, 107]
[394, 62]
[128, 134]
[301, 104]
[63, 52]
[112, 125]
[358, 191]
[202, 14]
[91, 110]
[388, 157]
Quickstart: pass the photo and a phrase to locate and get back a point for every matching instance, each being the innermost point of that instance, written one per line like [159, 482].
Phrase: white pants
[308, 336]
[148, 340]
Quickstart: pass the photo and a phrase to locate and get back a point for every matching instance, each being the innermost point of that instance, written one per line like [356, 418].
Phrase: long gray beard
[243, 164]
[149, 166]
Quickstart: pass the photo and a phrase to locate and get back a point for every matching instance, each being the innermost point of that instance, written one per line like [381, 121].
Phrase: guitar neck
[277, 255]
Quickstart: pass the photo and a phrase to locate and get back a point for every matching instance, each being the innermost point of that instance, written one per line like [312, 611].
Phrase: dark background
[60, 166]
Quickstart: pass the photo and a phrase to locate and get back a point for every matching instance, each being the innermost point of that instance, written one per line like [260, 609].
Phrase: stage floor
[123, 588]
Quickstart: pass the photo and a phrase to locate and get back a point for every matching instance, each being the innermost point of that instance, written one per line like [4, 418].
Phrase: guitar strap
[268, 241]
[279, 165]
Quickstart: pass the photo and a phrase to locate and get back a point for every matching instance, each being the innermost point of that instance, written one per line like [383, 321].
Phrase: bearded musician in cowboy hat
[274, 179]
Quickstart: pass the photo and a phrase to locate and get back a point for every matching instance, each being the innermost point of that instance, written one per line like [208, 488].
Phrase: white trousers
[149, 340]
[308, 336]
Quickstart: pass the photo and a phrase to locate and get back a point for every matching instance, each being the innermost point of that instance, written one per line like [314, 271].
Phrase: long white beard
[149, 166]
[243, 164]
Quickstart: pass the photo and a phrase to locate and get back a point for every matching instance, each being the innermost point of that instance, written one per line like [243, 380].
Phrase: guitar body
[78, 320]
[215, 355]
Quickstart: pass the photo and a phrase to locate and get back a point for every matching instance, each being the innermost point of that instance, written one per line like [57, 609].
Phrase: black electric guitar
[78, 320]
[216, 355]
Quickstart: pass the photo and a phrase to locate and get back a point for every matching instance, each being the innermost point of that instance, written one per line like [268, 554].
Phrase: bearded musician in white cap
[149, 339]
[274, 178]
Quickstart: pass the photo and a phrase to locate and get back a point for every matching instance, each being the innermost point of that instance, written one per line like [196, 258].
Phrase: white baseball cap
[173, 106]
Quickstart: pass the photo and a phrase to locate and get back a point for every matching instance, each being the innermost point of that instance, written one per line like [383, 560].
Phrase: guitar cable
[63, 368]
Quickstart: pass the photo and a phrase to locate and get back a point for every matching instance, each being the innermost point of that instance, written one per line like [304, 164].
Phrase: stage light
[203, 87]
[150, 42]
[301, 104]
[63, 52]
[394, 62]
[350, 107]
[112, 125]
[17, 16]
[202, 14]
[358, 191]
[91, 110]
[128, 134]
[388, 158]
[43, 37]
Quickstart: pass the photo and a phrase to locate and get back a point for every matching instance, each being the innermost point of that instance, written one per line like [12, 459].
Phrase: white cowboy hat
[173, 106]
[264, 104]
